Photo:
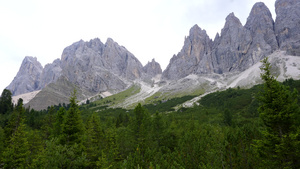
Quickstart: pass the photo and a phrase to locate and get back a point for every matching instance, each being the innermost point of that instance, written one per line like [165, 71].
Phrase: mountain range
[203, 65]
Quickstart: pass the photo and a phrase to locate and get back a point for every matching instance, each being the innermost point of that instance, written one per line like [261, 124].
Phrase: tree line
[229, 129]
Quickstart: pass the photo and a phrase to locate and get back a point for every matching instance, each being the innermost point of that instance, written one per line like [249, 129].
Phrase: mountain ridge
[202, 64]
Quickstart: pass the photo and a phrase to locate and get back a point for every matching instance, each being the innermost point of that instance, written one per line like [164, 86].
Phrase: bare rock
[261, 26]
[51, 73]
[152, 69]
[195, 51]
[287, 25]
[231, 48]
[28, 77]
[99, 67]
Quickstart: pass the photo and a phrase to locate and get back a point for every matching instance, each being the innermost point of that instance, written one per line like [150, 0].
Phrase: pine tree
[72, 129]
[6, 102]
[17, 152]
[56, 155]
[227, 117]
[59, 120]
[94, 139]
[48, 121]
[280, 143]
[15, 120]
[2, 136]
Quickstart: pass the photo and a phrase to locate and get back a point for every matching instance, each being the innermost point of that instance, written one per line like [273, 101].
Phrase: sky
[148, 29]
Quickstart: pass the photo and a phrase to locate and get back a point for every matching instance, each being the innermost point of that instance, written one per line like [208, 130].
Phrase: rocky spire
[261, 25]
[28, 77]
[196, 48]
[50, 73]
[152, 68]
[99, 67]
[287, 25]
[232, 46]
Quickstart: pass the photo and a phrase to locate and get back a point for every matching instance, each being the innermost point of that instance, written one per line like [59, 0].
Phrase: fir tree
[48, 121]
[94, 139]
[72, 129]
[59, 120]
[17, 152]
[280, 144]
[15, 120]
[6, 102]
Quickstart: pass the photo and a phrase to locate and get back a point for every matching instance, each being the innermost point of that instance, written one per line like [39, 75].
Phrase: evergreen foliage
[59, 120]
[224, 131]
[280, 143]
[94, 139]
[6, 105]
[17, 151]
[72, 128]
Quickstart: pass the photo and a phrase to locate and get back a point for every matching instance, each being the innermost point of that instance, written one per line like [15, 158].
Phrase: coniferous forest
[236, 128]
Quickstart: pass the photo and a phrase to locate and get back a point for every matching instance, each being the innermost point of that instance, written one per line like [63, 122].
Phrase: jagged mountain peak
[30, 59]
[28, 76]
[232, 20]
[287, 25]
[152, 68]
[261, 15]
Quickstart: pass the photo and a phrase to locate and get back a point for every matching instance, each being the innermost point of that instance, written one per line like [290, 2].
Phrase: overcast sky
[148, 29]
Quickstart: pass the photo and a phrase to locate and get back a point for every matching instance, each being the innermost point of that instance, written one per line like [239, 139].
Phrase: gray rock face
[55, 93]
[28, 77]
[231, 48]
[236, 49]
[261, 25]
[152, 68]
[92, 65]
[51, 73]
[196, 49]
[287, 25]
[98, 67]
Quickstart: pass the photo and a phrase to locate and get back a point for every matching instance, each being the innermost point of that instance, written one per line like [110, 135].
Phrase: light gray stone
[50, 73]
[28, 77]
[195, 51]
[287, 25]
[152, 69]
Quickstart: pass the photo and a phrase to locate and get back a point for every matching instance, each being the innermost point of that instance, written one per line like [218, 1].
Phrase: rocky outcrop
[261, 26]
[287, 25]
[152, 69]
[51, 73]
[99, 67]
[92, 65]
[232, 46]
[28, 77]
[196, 49]
[237, 47]
[55, 93]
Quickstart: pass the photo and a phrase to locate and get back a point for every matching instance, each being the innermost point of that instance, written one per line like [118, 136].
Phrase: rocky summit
[28, 77]
[100, 67]
[94, 67]
[152, 68]
[196, 49]
[236, 49]
[287, 25]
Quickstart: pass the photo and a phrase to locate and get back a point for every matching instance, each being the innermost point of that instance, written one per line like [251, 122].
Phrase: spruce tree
[6, 102]
[59, 120]
[15, 120]
[94, 139]
[280, 143]
[48, 121]
[72, 129]
[17, 152]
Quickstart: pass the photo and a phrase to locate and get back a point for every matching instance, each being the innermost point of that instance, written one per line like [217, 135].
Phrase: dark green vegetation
[235, 128]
